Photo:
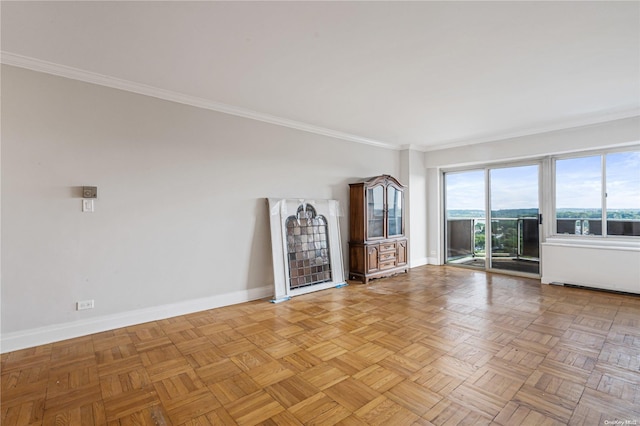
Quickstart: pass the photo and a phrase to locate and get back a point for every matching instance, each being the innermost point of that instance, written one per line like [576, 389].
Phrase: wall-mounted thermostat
[89, 192]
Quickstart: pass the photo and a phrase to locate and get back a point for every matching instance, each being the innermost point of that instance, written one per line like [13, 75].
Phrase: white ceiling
[423, 74]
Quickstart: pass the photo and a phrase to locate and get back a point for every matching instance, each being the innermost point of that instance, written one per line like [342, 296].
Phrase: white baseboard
[433, 261]
[53, 333]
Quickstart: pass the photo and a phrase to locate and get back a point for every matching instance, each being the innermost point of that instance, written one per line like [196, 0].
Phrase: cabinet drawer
[387, 256]
[387, 264]
[388, 247]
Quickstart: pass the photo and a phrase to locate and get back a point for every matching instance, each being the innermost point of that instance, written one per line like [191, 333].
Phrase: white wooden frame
[279, 211]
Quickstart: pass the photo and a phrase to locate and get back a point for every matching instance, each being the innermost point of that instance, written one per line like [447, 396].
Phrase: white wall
[615, 268]
[414, 175]
[180, 222]
[435, 232]
[625, 132]
[613, 133]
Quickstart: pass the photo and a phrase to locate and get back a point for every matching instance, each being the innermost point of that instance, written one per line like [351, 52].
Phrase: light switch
[87, 206]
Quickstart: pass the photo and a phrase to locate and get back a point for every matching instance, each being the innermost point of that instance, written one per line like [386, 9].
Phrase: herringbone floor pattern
[438, 345]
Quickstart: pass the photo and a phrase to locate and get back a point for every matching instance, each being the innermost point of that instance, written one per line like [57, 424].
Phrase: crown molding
[46, 67]
[582, 121]
[413, 147]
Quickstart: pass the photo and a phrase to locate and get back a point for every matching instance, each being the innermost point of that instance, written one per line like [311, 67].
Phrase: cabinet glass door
[394, 206]
[375, 212]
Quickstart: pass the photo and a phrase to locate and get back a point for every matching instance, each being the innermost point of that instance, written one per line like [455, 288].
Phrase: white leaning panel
[279, 210]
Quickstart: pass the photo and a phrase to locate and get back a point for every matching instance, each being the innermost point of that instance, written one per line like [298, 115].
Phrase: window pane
[394, 206]
[465, 211]
[515, 235]
[623, 193]
[579, 196]
[375, 212]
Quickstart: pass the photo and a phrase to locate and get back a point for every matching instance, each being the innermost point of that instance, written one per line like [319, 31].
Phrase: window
[579, 196]
[623, 193]
[596, 190]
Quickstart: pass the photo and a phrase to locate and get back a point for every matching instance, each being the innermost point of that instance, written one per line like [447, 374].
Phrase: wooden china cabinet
[377, 244]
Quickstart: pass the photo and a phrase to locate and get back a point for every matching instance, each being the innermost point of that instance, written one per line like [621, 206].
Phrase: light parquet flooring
[436, 346]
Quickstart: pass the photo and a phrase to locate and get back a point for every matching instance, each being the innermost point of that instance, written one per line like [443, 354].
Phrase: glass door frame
[486, 168]
[489, 225]
[370, 210]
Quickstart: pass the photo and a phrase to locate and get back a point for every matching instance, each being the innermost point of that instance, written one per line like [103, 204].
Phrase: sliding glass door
[465, 218]
[513, 200]
[492, 218]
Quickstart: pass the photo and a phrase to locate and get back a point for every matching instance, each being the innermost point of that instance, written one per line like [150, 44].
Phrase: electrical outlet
[84, 304]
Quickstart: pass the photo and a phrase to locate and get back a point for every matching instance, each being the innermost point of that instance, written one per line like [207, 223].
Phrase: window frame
[602, 153]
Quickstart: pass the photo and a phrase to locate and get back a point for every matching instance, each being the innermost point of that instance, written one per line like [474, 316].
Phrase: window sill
[594, 242]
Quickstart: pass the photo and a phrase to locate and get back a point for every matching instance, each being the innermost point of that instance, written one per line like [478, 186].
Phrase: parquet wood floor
[436, 346]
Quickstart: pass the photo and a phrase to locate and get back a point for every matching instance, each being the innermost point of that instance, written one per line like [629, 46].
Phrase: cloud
[465, 190]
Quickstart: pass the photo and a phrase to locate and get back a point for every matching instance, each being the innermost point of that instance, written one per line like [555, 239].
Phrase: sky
[578, 185]
[511, 188]
[623, 180]
[579, 181]
[465, 190]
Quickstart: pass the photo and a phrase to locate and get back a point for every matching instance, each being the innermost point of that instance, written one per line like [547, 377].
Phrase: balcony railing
[588, 226]
[511, 237]
[518, 237]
